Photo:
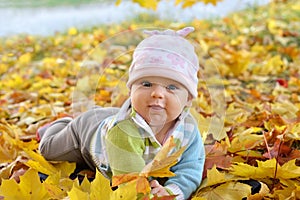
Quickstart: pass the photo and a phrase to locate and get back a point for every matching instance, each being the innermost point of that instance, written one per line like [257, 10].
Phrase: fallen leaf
[29, 187]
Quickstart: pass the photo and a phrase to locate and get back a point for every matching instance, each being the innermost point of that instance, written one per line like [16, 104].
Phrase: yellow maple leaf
[100, 189]
[229, 190]
[177, 2]
[273, 65]
[238, 61]
[72, 31]
[267, 169]
[286, 109]
[29, 187]
[7, 152]
[10, 142]
[273, 26]
[246, 140]
[77, 194]
[160, 165]
[294, 131]
[85, 185]
[288, 170]
[16, 81]
[290, 191]
[125, 191]
[49, 62]
[234, 114]
[118, 2]
[245, 170]
[147, 4]
[3, 68]
[188, 3]
[57, 187]
[25, 58]
[214, 176]
[65, 168]
[214, 2]
[10, 189]
[185, 3]
[80, 191]
[198, 198]
[39, 163]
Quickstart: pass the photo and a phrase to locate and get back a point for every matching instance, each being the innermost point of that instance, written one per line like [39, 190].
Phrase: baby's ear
[189, 100]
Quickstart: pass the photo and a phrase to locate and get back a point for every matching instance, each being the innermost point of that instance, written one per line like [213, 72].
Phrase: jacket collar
[128, 112]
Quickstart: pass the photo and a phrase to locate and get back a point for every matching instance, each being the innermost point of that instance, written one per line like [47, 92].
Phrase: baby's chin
[156, 124]
[157, 118]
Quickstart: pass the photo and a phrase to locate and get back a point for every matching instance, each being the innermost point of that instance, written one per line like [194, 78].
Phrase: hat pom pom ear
[185, 31]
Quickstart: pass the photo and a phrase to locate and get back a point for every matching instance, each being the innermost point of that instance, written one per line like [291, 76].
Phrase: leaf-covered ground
[248, 108]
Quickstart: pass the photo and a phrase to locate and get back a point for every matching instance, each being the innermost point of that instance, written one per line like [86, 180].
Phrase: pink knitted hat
[166, 54]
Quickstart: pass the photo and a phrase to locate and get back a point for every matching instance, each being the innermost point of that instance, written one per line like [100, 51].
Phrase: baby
[162, 82]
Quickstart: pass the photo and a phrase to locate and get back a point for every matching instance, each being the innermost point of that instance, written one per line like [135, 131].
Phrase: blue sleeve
[189, 169]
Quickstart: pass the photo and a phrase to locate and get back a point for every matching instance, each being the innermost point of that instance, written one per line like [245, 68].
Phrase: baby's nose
[158, 91]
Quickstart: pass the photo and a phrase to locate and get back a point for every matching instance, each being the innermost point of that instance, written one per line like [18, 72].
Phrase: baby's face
[159, 100]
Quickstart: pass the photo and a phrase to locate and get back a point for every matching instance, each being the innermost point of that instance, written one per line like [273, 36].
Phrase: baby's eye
[146, 84]
[172, 87]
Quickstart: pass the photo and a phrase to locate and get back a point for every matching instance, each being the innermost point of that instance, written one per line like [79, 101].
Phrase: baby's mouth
[156, 107]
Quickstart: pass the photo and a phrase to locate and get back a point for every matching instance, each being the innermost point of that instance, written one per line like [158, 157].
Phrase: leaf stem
[266, 142]
[277, 156]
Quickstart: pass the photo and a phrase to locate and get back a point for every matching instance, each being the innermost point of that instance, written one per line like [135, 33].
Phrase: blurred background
[47, 17]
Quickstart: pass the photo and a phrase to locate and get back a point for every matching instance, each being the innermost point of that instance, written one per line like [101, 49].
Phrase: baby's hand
[157, 189]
